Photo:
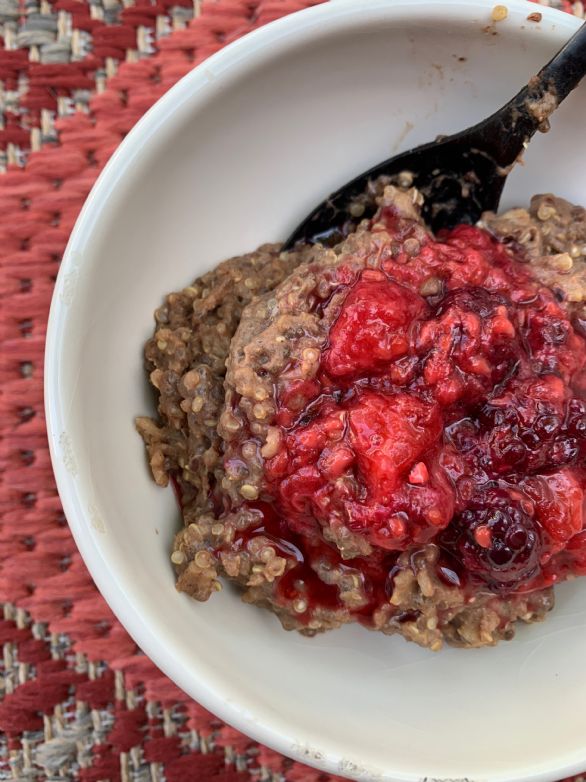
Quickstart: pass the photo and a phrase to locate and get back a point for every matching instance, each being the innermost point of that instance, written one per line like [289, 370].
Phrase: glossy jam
[301, 585]
[456, 417]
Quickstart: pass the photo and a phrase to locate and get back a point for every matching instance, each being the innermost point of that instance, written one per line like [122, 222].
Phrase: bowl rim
[194, 89]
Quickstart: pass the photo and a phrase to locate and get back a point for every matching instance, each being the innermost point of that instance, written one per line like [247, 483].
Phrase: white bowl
[231, 157]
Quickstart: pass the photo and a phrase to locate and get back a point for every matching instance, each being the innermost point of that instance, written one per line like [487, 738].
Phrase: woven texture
[77, 698]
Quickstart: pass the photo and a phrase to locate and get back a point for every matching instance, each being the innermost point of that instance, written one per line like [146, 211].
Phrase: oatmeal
[390, 431]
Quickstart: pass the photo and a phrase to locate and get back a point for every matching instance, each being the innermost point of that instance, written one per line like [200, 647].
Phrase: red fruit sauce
[456, 418]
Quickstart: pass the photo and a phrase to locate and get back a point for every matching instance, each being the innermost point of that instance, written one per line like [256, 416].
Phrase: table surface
[78, 700]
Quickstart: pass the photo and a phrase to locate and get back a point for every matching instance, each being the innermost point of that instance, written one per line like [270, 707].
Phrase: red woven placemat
[77, 698]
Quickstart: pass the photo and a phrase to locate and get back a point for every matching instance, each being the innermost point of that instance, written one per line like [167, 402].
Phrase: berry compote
[430, 399]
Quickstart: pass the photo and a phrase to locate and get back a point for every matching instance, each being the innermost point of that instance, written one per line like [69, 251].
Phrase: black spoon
[463, 175]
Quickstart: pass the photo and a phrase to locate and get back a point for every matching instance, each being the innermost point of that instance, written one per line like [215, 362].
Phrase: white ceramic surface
[229, 158]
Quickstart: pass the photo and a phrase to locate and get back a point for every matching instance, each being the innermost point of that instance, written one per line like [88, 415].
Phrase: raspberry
[558, 498]
[389, 434]
[372, 327]
[467, 346]
[359, 464]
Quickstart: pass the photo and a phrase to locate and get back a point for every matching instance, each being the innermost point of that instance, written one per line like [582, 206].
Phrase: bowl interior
[231, 158]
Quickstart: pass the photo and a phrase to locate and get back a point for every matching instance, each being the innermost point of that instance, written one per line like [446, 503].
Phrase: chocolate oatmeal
[390, 431]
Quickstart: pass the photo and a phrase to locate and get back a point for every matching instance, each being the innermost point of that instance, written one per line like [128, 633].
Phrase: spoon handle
[567, 68]
[508, 131]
